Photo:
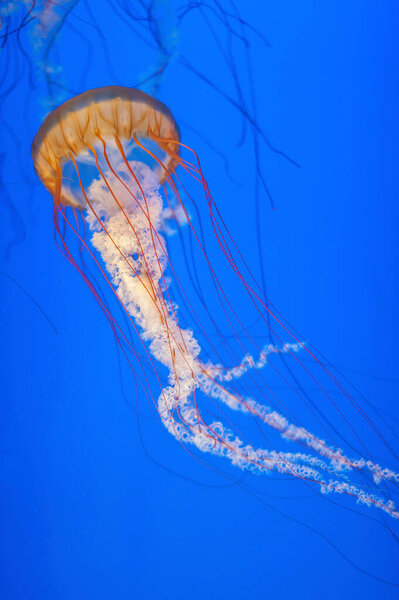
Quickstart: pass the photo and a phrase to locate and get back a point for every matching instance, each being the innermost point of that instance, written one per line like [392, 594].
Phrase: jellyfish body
[125, 210]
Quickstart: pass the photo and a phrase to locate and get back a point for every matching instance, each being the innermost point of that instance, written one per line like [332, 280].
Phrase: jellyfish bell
[113, 114]
[123, 206]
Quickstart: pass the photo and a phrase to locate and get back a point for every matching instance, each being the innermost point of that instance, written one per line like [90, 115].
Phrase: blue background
[85, 512]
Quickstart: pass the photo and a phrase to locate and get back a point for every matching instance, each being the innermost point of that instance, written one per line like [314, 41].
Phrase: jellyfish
[111, 159]
[41, 22]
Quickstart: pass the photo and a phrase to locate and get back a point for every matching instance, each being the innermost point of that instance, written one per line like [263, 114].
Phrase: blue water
[99, 502]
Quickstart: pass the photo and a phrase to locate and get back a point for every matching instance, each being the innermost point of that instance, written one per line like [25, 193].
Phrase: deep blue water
[98, 502]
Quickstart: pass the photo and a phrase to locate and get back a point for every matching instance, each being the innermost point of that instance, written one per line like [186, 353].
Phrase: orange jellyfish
[110, 159]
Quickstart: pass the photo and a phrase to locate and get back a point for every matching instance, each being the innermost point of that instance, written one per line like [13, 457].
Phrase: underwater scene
[198, 294]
